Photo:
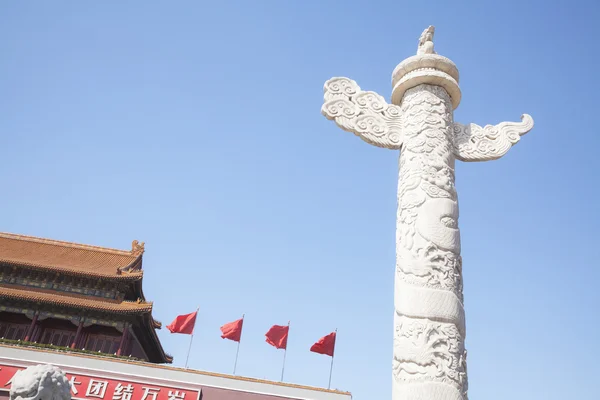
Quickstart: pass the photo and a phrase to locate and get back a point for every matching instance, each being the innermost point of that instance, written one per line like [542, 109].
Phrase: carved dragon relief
[429, 351]
[428, 248]
[428, 242]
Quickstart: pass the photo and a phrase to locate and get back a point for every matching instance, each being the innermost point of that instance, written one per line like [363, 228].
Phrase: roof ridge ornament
[137, 248]
[426, 41]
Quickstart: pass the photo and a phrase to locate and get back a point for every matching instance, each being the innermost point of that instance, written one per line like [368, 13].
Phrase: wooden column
[126, 344]
[31, 327]
[123, 339]
[78, 334]
[35, 333]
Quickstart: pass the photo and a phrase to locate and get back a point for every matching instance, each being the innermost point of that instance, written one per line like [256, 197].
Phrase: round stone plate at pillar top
[431, 69]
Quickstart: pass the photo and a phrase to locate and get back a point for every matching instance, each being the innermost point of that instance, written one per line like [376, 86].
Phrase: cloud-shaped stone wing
[475, 143]
[366, 114]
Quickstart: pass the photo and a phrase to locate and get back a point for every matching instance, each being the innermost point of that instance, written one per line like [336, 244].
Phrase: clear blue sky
[196, 127]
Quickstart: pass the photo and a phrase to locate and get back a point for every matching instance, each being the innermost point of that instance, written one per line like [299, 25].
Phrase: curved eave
[74, 301]
[119, 276]
[132, 267]
[151, 342]
[136, 290]
[166, 358]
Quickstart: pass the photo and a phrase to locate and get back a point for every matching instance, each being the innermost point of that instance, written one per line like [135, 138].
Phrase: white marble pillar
[429, 357]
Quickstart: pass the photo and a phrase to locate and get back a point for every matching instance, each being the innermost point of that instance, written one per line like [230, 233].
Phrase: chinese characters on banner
[94, 388]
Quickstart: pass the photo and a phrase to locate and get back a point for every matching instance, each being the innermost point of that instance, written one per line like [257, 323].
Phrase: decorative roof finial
[137, 247]
[426, 41]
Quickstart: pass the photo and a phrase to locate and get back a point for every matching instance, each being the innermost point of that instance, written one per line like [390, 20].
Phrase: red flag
[325, 345]
[277, 336]
[233, 330]
[183, 324]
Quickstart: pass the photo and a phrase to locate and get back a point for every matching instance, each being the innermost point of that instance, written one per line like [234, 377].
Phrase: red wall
[207, 392]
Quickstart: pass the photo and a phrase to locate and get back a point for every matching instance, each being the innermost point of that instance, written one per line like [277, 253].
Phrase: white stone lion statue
[40, 382]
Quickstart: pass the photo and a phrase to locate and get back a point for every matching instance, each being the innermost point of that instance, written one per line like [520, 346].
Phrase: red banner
[94, 388]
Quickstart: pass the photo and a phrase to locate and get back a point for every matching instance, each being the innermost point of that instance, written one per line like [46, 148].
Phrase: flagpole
[189, 350]
[191, 339]
[331, 368]
[238, 346]
[284, 354]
